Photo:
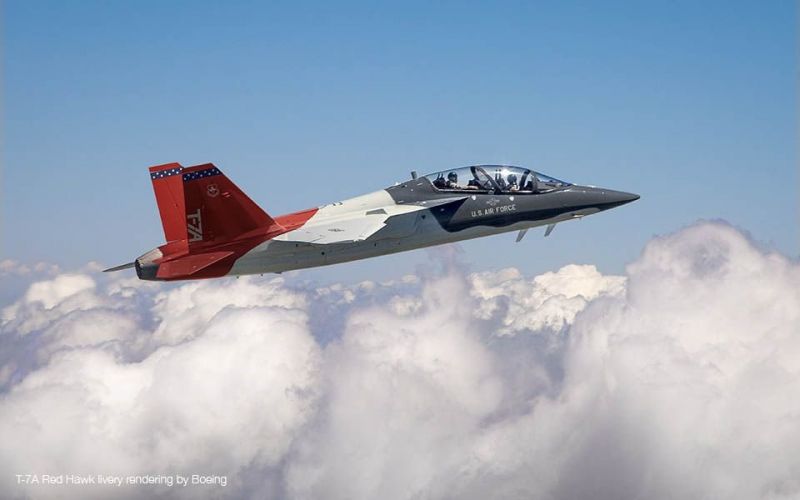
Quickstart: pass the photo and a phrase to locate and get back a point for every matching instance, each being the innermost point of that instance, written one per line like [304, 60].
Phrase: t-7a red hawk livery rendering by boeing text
[213, 229]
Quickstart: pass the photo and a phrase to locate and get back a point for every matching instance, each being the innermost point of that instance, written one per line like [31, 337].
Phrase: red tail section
[208, 222]
[202, 207]
[217, 211]
[168, 187]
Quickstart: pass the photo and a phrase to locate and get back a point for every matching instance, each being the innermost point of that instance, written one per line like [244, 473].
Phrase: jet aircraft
[213, 229]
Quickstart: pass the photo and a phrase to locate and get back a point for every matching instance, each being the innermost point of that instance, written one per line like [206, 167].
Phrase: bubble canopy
[494, 178]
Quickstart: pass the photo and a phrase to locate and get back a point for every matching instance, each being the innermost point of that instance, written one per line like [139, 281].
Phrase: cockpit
[494, 178]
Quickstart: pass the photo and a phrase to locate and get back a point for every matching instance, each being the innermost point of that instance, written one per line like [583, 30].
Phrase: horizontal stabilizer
[119, 268]
[185, 267]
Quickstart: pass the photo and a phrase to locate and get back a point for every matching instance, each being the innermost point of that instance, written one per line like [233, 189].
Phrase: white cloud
[184, 311]
[419, 385]
[11, 267]
[233, 397]
[48, 300]
[678, 380]
[548, 301]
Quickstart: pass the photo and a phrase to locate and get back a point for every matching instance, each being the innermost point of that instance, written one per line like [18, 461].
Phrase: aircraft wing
[360, 226]
[341, 231]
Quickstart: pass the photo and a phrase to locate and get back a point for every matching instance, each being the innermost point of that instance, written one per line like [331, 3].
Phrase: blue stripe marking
[200, 174]
[165, 173]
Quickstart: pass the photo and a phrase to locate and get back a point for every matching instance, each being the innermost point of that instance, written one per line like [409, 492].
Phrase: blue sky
[691, 104]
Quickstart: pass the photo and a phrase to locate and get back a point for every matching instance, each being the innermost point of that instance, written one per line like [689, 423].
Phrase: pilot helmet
[512, 179]
[452, 177]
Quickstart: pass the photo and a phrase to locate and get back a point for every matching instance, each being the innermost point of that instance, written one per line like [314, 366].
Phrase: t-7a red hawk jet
[213, 229]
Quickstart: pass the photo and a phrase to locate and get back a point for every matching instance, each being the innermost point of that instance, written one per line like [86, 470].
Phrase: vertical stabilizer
[217, 211]
[168, 188]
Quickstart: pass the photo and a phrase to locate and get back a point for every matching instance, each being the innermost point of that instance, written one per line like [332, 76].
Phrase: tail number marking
[194, 225]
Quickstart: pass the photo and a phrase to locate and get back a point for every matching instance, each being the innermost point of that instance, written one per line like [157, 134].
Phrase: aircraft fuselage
[213, 229]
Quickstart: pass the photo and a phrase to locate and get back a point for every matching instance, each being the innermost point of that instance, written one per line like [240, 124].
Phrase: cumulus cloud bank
[677, 380]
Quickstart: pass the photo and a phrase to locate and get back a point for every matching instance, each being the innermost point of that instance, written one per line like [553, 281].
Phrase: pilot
[498, 178]
[531, 185]
[512, 183]
[452, 180]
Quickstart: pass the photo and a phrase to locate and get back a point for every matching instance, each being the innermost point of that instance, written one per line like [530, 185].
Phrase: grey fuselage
[416, 214]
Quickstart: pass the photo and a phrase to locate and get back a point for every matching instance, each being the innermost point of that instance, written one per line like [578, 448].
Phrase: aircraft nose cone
[605, 199]
[620, 197]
